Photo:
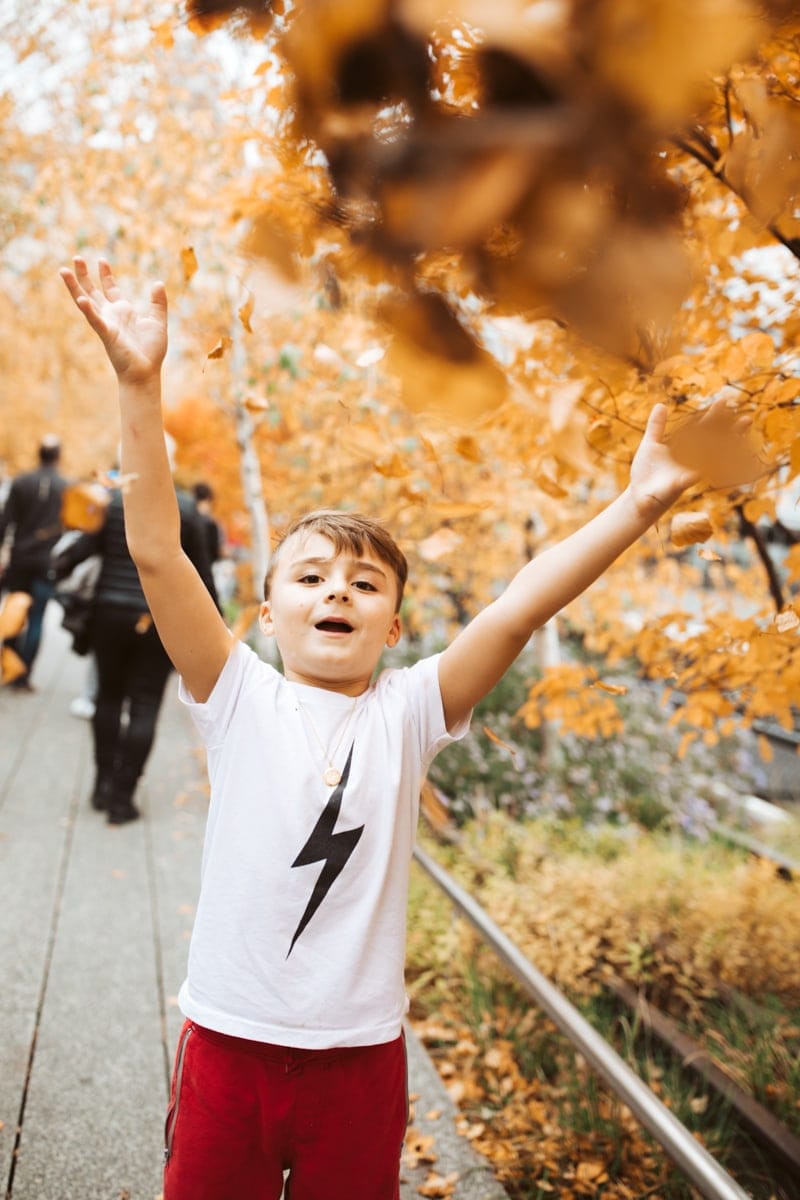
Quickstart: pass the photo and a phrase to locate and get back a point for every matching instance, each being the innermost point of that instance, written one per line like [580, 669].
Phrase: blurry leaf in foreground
[438, 544]
[717, 444]
[441, 368]
[688, 528]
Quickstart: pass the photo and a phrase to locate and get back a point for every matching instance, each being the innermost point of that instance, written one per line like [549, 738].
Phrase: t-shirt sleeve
[212, 718]
[424, 696]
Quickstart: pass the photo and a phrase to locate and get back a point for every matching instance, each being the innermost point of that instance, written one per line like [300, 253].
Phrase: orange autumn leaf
[188, 263]
[513, 753]
[688, 528]
[222, 347]
[245, 312]
[613, 689]
[436, 1186]
[709, 555]
[787, 619]
[256, 404]
[549, 485]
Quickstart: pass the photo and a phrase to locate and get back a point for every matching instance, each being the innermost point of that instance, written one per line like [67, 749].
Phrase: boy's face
[331, 614]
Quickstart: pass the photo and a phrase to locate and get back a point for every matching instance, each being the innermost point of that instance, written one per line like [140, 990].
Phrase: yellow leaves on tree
[567, 695]
[528, 152]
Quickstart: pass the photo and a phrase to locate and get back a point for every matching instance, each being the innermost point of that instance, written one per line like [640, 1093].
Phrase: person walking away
[291, 1057]
[31, 522]
[131, 663]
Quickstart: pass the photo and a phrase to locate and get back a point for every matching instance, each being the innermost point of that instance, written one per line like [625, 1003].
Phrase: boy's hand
[135, 344]
[711, 446]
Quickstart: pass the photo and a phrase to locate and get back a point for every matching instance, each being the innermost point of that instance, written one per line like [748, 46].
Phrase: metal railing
[678, 1143]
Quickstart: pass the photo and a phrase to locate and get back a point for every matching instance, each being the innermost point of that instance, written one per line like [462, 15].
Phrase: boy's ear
[265, 620]
[393, 636]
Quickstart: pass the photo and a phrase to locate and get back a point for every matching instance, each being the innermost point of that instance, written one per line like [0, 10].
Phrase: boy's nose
[341, 592]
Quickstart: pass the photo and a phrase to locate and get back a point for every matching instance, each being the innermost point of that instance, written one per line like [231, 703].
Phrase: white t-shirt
[299, 937]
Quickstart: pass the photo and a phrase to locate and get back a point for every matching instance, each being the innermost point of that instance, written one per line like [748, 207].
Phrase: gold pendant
[331, 776]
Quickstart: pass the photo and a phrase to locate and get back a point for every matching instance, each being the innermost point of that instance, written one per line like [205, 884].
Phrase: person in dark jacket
[31, 519]
[132, 666]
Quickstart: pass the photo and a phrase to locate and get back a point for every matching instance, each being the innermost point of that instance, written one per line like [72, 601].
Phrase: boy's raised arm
[188, 622]
[482, 652]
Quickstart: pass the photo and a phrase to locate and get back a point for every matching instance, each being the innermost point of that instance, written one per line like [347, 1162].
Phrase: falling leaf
[549, 485]
[716, 445]
[468, 448]
[438, 544]
[256, 404]
[689, 528]
[613, 689]
[188, 262]
[222, 347]
[246, 312]
[786, 620]
[708, 554]
[514, 754]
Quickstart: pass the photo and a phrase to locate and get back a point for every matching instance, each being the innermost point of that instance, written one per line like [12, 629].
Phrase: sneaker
[23, 684]
[82, 707]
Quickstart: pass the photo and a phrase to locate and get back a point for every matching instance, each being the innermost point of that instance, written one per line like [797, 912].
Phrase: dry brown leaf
[439, 1185]
[222, 347]
[689, 528]
[613, 689]
[245, 312]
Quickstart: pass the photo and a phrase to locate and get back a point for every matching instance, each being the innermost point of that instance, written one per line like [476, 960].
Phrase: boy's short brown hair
[346, 531]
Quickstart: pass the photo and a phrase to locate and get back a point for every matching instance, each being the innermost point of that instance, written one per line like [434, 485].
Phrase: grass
[539, 1102]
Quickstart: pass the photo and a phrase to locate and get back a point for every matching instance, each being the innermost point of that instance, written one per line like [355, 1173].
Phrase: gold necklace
[331, 776]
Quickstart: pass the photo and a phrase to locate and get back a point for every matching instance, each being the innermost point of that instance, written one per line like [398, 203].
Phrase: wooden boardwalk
[94, 929]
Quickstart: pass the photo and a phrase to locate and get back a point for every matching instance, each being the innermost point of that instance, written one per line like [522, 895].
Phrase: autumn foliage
[437, 262]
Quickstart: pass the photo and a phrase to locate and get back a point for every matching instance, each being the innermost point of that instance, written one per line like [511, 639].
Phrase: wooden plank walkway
[94, 929]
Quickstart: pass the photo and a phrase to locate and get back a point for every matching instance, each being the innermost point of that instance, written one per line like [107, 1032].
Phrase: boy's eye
[365, 586]
[310, 578]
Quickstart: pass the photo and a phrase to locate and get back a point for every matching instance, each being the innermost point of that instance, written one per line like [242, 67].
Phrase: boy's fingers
[158, 301]
[657, 422]
[107, 280]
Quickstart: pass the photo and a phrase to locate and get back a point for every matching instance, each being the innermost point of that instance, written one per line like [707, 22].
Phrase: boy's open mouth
[334, 625]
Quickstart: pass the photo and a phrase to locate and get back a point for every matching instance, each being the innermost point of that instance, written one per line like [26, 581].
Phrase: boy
[292, 1054]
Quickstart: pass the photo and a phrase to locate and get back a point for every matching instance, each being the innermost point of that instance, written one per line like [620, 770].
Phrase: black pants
[132, 671]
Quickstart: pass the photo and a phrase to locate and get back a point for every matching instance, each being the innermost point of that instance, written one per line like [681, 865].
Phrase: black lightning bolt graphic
[324, 845]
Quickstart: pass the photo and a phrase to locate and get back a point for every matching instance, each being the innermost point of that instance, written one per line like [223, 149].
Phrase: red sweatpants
[241, 1113]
